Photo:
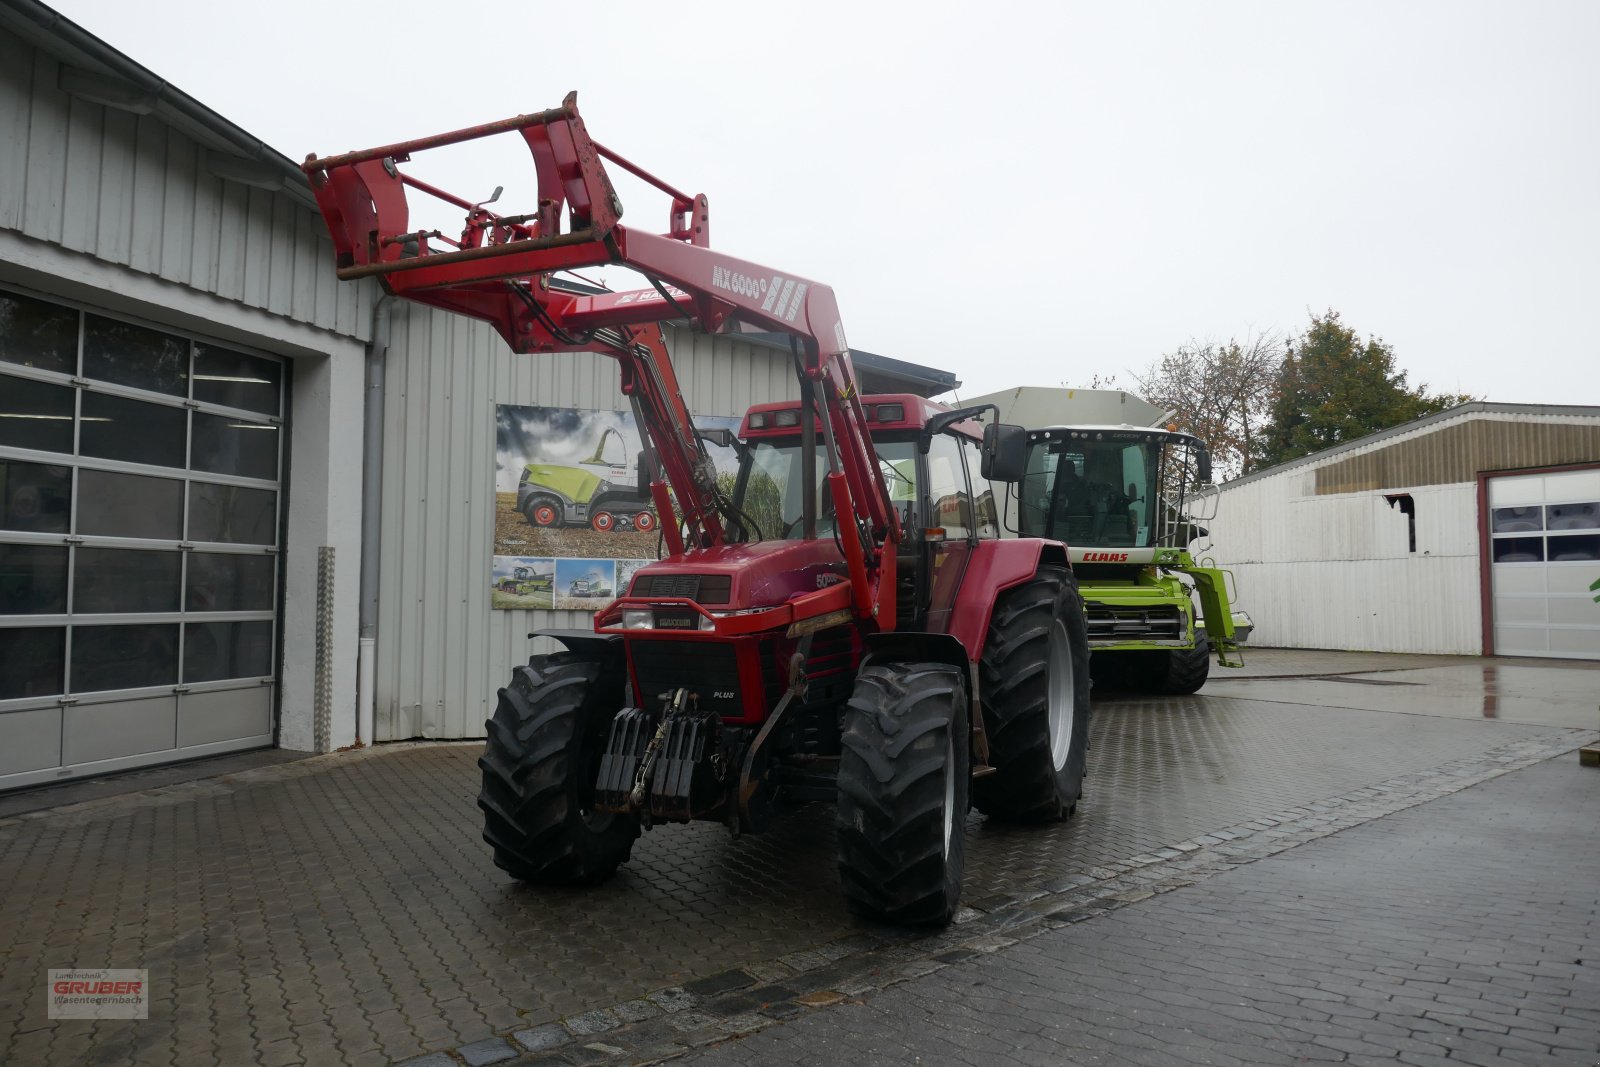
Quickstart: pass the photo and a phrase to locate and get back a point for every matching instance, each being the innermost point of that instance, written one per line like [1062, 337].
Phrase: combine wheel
[542, 511]
[903, 779]
[539, 767]
[1035, 673]
[603, 521]
[1184, 670]
[644, 521]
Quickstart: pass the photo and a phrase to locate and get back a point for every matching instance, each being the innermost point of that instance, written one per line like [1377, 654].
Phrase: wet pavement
[342, 909]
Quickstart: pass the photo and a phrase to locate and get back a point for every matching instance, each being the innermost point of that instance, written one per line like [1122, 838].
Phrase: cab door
[948, 527]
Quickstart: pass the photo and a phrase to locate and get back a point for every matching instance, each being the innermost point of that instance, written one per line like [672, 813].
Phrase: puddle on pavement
[1547, 695]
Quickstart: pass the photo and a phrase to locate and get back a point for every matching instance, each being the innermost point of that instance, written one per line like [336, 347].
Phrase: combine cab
[1105, 475]
[846, 624]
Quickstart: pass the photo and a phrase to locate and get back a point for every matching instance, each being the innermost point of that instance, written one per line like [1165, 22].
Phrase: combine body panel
[847, 624]
[1108, 475]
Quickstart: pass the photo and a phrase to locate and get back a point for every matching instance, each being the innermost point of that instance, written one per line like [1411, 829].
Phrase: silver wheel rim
[1060, 694]
[949, 791]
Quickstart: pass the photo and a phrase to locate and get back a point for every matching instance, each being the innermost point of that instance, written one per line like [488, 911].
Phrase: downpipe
[371, 521]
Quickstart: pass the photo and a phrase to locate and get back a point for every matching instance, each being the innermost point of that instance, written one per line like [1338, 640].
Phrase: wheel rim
[1061, 695]
[602, 521]
[644, 521]
[544, 514]
[949, 791]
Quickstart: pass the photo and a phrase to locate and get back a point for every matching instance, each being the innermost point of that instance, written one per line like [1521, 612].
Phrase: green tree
[1333, 387]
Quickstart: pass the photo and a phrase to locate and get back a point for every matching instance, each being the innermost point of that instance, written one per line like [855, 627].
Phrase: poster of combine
[570, 523]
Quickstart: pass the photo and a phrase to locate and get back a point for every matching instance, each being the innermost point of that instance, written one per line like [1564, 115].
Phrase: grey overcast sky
[1022, 193]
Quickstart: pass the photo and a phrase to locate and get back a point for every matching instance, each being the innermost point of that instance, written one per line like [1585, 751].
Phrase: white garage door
[1544, 544]
[139, 491]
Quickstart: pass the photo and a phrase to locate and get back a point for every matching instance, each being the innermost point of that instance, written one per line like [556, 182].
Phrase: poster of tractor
[567, 492]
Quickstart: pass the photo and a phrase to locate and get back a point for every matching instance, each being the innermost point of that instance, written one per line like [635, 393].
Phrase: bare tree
[1222, 393]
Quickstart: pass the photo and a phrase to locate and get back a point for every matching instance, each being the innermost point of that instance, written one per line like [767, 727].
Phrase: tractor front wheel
[904, 772]
[539, 766]
[1035, 673]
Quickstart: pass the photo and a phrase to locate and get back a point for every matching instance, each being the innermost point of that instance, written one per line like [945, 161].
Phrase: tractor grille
[704, 667]
[703, 589]
[1119, 623]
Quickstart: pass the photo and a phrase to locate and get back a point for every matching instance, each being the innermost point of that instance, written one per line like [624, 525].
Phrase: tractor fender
[915, 646]
[992, 568]
[586, 641]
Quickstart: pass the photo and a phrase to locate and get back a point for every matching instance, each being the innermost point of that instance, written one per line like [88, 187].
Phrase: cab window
[949, 502]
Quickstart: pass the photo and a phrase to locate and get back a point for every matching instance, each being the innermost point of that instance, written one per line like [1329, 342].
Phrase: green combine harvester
[1107, 475]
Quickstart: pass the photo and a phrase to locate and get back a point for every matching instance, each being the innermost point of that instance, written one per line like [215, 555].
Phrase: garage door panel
[30, 740]
[1574, 611]
[1520, 641]
[1514, 609]
[120, 728]
[1523, 581]
[1544, 551]
[1576, 642]
[1572, 485]
[166, 480]
[205, 718]
[1570, 580]
[1516, 492]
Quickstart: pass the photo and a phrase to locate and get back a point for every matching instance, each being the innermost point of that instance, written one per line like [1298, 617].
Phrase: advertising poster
[570, 524]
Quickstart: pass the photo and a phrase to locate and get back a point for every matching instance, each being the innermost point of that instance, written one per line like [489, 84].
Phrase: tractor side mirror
[720, 436]
[1203, 466]
[1005, 452]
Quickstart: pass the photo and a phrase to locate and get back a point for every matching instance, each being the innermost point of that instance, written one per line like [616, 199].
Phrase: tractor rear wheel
[539, 766]
[904, 772]
[1035, 674]
[1185, 670]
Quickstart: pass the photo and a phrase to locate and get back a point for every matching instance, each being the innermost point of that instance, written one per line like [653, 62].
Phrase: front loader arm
[501, 269]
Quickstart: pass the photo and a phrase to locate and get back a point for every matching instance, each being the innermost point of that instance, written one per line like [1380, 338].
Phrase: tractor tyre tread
[543, 734]
[890, 820]
[1014, 670]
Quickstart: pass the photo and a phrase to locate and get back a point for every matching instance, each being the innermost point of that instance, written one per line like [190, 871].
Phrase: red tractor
[847, 624]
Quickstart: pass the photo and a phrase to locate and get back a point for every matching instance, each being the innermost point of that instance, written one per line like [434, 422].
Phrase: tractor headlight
[638, 619]
[707, 623]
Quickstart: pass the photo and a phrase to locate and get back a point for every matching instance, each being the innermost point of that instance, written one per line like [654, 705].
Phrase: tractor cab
[932, 467]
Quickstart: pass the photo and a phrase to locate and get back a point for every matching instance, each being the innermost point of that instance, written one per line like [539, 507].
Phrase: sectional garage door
[1544, 550]
[139, 498]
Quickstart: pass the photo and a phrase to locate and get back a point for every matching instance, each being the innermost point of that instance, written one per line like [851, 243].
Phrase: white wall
[1334, 571]
[442, 652]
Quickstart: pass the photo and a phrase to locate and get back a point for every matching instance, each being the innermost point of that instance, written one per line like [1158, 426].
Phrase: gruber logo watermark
[103, 993]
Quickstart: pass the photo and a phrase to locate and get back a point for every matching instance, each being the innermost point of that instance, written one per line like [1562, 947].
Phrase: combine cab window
[1089, 492]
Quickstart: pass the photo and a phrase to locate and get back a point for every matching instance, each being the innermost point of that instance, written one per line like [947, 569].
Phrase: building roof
[93, 70]
[1436, 420]
[878, 374]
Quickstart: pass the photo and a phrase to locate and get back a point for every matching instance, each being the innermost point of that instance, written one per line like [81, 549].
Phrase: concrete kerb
[737, 1003]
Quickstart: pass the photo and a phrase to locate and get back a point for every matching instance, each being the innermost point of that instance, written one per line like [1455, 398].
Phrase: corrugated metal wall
[1320, 558]
[1456, 453]
[442, 651]
[131, 190]
[1334, 571]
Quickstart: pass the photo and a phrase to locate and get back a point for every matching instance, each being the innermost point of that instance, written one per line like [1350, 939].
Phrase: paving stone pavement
[344, 910]
[1462, 931]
